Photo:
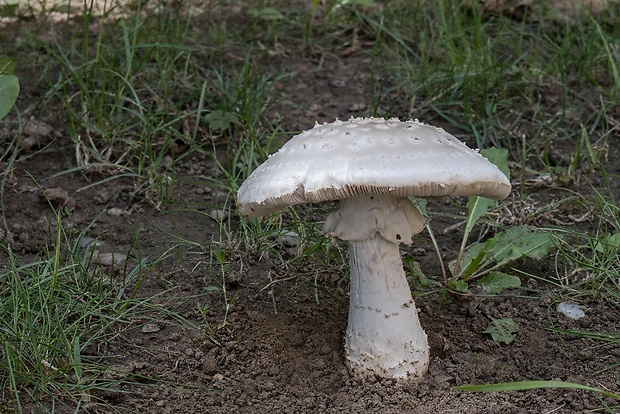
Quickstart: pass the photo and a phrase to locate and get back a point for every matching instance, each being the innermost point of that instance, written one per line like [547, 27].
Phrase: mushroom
[373, 165]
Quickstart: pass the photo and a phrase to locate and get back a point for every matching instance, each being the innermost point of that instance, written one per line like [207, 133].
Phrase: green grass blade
[530, 385]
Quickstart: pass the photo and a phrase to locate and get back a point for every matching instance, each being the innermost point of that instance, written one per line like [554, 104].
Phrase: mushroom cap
[345, 159]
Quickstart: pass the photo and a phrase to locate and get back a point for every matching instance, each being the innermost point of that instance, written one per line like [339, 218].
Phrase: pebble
[110, 259]
[218, 215]
[115, 212]
[150, 328]
[289, 238]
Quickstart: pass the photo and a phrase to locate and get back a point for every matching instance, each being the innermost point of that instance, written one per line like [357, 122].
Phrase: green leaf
[502, 330]
[9, 89]
[496, 282]
[416, 272]
[458, 286]
[499, 157]
[7, 66]
[506, 247]
[221, 120]
[519, 242]
[476, 207]
[611, 242]
[77, 358]
[529, 385]
[474, 258]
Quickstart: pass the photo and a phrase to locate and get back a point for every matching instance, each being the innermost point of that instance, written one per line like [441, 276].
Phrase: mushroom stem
[384, 337]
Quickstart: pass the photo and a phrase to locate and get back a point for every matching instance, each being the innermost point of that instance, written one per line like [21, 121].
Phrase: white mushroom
[373, 165]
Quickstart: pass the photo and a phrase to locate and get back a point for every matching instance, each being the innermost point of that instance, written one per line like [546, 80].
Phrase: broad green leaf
[9, 89]
[478, 206]
[496, 282]
[519, 242]
[458, 286]
[503, 330]
[499, 157]
[503, 249]
[530, 385]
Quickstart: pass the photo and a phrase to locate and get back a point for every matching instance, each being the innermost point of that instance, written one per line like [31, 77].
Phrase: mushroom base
[384, 337]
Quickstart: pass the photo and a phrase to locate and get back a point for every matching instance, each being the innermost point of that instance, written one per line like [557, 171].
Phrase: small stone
[110, 259]
[289, 238]
[150, 328]
[115, 212]
[167, 161]
[418, 251]
[218, 215]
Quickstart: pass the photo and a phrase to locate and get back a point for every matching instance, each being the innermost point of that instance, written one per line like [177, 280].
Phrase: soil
[280, 348]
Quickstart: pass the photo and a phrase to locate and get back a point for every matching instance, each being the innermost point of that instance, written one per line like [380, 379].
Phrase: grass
[57, 311]
[158, 84]
[590, 263]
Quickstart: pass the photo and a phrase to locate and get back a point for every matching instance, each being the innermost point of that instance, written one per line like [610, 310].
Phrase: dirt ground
[281, 350]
